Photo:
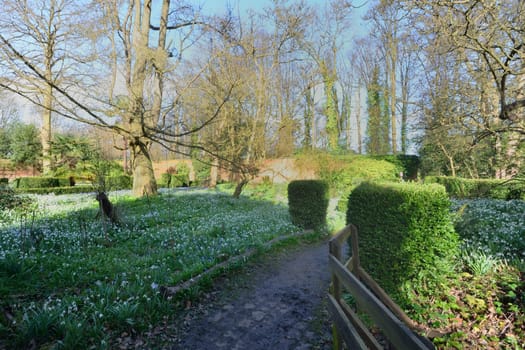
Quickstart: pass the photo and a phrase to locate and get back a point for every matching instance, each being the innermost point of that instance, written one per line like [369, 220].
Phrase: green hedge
[37, 182]
[408, 164]
[121, 182]
[308, 203]
[480, 188]
[406, 236]
[57, 190]
[180, 180]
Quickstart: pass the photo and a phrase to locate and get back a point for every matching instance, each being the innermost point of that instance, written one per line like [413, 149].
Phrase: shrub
[202, 172]
[165, 180]
[479, 188]
[9, 199]
[58, 190]
[342, 173]
[4, 181]
[66, 181]
[308, 203]
[179, 180]
[408, 164]
[406, 236]
[38, 182]
[122, 182]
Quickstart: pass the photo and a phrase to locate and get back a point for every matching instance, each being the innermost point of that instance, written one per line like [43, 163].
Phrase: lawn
[69, 281]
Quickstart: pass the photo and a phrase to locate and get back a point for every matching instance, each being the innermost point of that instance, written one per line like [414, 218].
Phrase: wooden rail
[395, 325]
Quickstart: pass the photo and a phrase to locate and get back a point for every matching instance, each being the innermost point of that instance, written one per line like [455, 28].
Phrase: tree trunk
[144, 183]
[308, 119]
[239, 187]
[358, 121]
[46, 114]
[214, 173]
[46, 131]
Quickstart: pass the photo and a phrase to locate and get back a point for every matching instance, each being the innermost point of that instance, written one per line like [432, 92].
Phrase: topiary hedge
[480, 188]
[308, 203]
[406, 236]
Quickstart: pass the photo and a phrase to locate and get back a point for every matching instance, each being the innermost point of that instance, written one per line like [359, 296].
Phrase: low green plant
[478, 262]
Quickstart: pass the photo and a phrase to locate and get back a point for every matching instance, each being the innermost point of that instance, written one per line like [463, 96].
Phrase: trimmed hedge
[308, 203]
[406, 236]
[37, 182]
[57, 190]
[121, 182]
[480, 188]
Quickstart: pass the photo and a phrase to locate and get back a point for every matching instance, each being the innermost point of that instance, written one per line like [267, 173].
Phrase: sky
[219, 6]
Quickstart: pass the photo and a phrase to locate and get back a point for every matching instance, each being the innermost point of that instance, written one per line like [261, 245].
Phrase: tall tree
[323, 45]
[39, 31]
[484, 39]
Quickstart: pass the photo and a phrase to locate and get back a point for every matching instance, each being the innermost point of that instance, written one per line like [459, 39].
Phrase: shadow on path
[278, 304]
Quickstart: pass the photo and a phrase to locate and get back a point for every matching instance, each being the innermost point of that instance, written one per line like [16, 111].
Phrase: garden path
[277, 303]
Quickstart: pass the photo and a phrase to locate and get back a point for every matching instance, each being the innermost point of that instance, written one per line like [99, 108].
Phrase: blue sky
[219, 6]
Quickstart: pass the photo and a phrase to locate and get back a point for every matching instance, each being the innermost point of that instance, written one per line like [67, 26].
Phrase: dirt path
[278, 303]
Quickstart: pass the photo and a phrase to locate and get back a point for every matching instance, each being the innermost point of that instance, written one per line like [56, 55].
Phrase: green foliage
[378, 117]
[9, 199]
[181, 178]
[26, 148]
[165, 180]
[308, 203]
[343, 173]
[37, 182]
[406, 237]
[406, 163]
[58, 190]
[202, 172]
[4, 181]
[477, 262]
[480, 188]
[121, 182]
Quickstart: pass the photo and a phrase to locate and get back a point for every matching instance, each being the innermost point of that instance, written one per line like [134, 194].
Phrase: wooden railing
[370, 298]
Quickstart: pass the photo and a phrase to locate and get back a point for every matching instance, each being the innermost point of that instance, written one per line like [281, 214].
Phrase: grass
[67, 283]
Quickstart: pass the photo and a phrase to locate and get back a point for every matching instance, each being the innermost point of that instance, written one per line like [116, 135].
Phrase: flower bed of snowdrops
[70, 281]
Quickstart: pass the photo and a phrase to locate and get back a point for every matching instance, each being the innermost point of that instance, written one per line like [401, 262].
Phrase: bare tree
[40, 31]
[134, 63]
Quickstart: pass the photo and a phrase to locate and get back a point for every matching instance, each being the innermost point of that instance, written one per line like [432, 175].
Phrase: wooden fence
[370, 298]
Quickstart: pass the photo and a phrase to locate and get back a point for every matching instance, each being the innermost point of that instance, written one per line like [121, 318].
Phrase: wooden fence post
[335, 250]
